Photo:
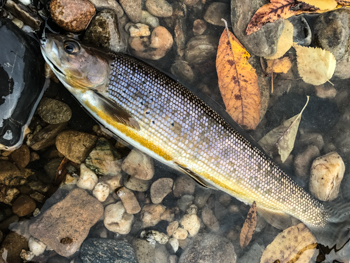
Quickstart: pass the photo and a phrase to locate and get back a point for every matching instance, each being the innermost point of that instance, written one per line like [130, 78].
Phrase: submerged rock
[22, 80]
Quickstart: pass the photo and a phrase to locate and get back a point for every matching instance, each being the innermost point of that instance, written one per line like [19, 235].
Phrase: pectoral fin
[194, 176]
[115, 112]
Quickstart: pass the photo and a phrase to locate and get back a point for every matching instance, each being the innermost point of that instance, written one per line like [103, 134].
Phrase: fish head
[75, 65]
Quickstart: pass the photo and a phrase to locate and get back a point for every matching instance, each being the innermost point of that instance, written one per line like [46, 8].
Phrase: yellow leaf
[237, 81]
[315, 65]
[281, 65]
[322, 4]
[285, 41]
[248, 228]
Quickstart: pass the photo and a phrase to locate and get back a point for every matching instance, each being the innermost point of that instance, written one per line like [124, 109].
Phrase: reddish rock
[65, 225]
[72, 15]
[23, 206]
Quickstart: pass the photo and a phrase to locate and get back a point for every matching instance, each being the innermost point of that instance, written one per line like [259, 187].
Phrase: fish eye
[71, 47]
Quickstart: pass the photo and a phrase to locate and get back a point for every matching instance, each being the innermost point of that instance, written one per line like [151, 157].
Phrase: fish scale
[192, 135]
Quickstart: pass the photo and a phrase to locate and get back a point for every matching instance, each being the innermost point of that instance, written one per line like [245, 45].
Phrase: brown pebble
[160, 189]
[151, 214]
[183, 185]
[21, 156]
[71, 15]
[172, 227]
[129, 200]
[24, 205]
[199, 26]
[13, 244]
[10, 175]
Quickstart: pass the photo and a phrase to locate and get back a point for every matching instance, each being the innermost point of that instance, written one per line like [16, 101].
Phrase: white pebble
[101, 191]
[36, 246]
[174, 243]
[327, 172]
[191, 223]
[113, 182]
[88, 179]
[116, 219]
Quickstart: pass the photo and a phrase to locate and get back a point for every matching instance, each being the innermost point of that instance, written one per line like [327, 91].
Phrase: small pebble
[217, 11]
[168, 214]
[184, 202]
[54, 111]
[191, 223]
[145, 251]
[302, 162]
[199, 26]
[21, 156]
[117, 220]
[113, 182]
[139, 165]
[151, 214]
[148, 19]
[201, 197]
[327, 172]
[159, 8]
[139, 30]
[132, 9]
[45, 137]
[324, 92]
[153, 235]
[135, 184]
[183, 185]
[38, 197]
[174, 244]
[87, 179]
[210, 220]
[173, 258]
[160, 189]
[172, 227]
[129, 200]
[10, 174]
[7, 195]
[180, 233]
[108, 4]
[27, 255]
[73, 16]
[101, 191]
[36, 246]
[182, 70]
[23, 206]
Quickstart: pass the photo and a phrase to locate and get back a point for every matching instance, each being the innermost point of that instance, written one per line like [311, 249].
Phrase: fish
[163, 119]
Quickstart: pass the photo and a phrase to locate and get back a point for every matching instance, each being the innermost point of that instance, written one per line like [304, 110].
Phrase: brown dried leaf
[238, 81]
[248, 227]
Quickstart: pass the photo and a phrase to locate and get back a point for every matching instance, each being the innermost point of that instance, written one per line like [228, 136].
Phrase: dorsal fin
[194, 176]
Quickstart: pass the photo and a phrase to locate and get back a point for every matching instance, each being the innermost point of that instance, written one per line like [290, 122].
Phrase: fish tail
[334, 238]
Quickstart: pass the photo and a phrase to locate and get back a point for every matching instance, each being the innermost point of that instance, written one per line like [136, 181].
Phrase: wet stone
[21, 156]
[73, 16]
[183, 185]
[148, 19]
[209, 248]
[301, 30]
[172, 227]
[104, 31]
[87, 179]
[14, 243]
[108, 4]
[136, 184]
[116, 219]
[159, 8]
[50, 168]
[10, 174]
[36, 246]
[98, 250]
[139, 30]
[101, 191]
[75, 145]
[65, 225]
[302, 162]
[132, 9]
[262, 43]
[151, 214]
[253, 255]
[129, 200]
[139, 165]
[160, 189]
[200, 49]
[184, 202]
[191, 223]
[199, 26]
[180, 233]
[210, 220]
[54, 111]
[104, 159]
[183, 71]
[7, 195]
[154, 236]
[215, 12]
[113, 182]
[145, 251]
[23, 206]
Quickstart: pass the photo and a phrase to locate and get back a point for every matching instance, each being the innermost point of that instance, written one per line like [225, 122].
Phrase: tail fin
[334, 238]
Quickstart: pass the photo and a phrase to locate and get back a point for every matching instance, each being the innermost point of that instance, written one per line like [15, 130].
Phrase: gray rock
[182, 70]
[132, 9]
[332, 33]
[200, 49]
[160, 189]
[159, 8]
[108, 4]
[54, 111]
[145, 251]
[105, 31]
[99, 250]
[302, 32]
[215, 12]
[209, 248]
[262, 43]
[253, 255]
[302, 162]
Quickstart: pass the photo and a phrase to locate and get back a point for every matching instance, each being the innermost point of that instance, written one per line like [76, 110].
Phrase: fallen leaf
[285, 41]
[271, 12]
[281, 65]
[294, 244]
[283, 137]
[248, 227]
[238, 81]
[315, 65]
[322, 4]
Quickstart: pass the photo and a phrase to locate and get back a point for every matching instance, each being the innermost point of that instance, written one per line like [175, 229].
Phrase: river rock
[209, 248]
[75, 145]
[160, 189]
[191, 223]
[210, 220]
[46, 137]
[36, 246]
[108, 4]
[183, 185]
[113, 182]
[215, 12]
[73, 16]
[10, 174]
[104, 159]
[23, 206]
[22, 78]
[154, 236]
[105, 31]
[180, 233]
[139, 165]
[132, 9]
[301, 30]
[174, 245]
[101, 191]
[182, 71]
[21, 156]
[135, 184]
[199, 26]
[302, 162]
[200, 49]
[116, 219]
[262, 43]
[151, 214]
[54, 111]
[101, 250]
[65, 225]
[139, 30]
[87, 179]
[154, 47]
[7, 195]
[184, 202]
[172, 227]
[327, 172]
[159, 8]
[145, 251]
[253, 255]
[13, 244]
[129, 200]
[148, 19]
